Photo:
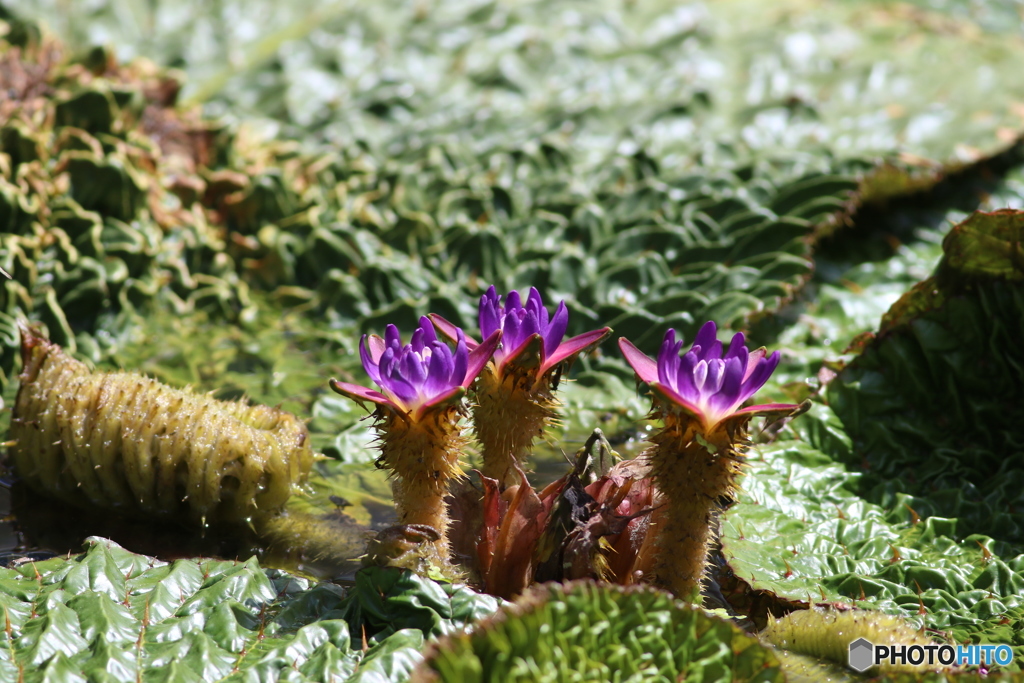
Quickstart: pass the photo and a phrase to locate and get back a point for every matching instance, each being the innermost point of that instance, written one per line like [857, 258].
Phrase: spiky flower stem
[694, 472]
[424, 455]
[512, 409]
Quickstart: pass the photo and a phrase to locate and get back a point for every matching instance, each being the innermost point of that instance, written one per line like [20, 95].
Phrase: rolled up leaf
[124, 441]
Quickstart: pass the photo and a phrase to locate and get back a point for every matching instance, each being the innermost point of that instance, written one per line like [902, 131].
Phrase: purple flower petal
[556, 330]
[460, 361]
[529, 329]
[391, 337]
[399, 389]
[668, 366]
[702, 380]
[738, 349]
[387, 362]
[668, 358]
[429, 336]
[700, 374]
[705, 338]
[391, 379]
[511, 335]
[737, 344]
[512, 302]
[412, 368]
[439, 370]
[728, 396]
[489, 313]
[535, 305]
[530, 324]
[713, 384]
[417, 342]
[686, 386]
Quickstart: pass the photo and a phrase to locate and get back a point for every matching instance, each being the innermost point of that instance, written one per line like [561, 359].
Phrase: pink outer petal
[359, 394]
[778, 409]
[766, 409]
[571, 347]
[479, 356]
[669, 393]
[370, 364]
[450, 331]
[441, 399]
[376, 347]
[535, 341]
[643, 365]
[752, 360]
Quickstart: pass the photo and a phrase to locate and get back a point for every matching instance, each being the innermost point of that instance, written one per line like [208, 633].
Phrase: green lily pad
[588, 632]
[111, 614]
[801, 533]
[943, 383]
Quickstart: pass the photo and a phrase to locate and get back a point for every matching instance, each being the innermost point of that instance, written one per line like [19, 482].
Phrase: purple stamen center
[419, 372]
[711, 382]
[519, 323]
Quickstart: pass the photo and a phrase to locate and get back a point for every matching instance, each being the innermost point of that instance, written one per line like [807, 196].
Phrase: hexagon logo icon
[861, 655]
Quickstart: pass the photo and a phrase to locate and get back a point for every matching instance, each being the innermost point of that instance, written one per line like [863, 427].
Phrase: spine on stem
[697, 455]
[424, 455]
[694, 475]
[511, 412]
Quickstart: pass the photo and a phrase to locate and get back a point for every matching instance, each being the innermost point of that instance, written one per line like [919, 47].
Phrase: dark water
[39, 527]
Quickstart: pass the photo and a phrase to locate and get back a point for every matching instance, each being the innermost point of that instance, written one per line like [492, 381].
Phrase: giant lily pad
[587, 632]
[944, 384]
[111, 615]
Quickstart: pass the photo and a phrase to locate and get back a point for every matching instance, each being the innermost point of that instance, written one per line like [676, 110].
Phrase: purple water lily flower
[525, 327]
[704, 382]
[423, 373]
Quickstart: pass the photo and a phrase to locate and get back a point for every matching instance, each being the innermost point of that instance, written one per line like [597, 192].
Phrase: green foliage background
[790, 169]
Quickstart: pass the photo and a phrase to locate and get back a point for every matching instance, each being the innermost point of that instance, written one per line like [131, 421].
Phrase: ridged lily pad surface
[111, 615]
[227, 195]
[585, 632]
[901, 494]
